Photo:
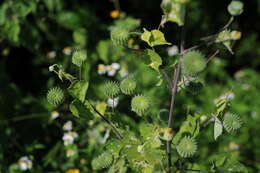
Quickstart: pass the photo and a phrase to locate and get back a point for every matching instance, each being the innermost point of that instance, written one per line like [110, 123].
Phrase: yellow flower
[115, 14]
[73, 171]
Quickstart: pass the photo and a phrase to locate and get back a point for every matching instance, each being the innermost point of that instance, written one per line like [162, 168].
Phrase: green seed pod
[119, 36]
[193, 63]
[232, 122]
[235, 8]
[78, 57]
[111, 89]
[140, 104]
[102, 161]
[187, 147]
[128, 85]
[55, 96]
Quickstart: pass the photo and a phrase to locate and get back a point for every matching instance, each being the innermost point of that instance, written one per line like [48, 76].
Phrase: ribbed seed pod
[128, 85]
[102, 161]
[111, 89]
[193, 63]
[187, 147]
[55, 96]
[140, 104]
[78, 57]
[119, 36]
[232, 122]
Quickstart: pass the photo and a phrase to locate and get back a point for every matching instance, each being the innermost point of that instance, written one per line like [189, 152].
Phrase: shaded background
[24, 116]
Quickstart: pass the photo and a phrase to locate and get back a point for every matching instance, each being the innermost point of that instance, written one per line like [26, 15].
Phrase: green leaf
[78, 90]
[81, 110]
[156, 60]
[190, 126]
[80, 37]
[174, 11]
[154, 38]
[22, 9]
[12, 31]
[3, 9]
[103, 50]
[69, 20]
[218, 128]
[114, 147]
[53, 5]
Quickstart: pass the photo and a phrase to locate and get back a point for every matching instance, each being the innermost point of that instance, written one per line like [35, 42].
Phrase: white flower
[67, 126]
[25, 163]
[69, 137]
[112, 102]
[54, 115]
[123, 72]
[115, 66]
[111, 71]
[51, 54]
[102, 69]
[228, 95]
[173, 50]
[70, 153]
[67, 50]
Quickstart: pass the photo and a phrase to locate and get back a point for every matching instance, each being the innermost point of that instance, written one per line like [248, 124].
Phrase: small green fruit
[102, 161]
[79, 57]
[193, 63]
[111, 89]
[128, 85]
[55, 96]
[140, 104]
[232, 122]
[235, 8]
[119, 36]
[187, 147]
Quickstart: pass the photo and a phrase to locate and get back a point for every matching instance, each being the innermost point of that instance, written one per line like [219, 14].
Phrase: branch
[117, 133]
[212, 56]
[173, 93]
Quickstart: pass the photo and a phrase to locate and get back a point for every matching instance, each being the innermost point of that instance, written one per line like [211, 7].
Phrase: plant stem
[175, 80]
[212, 56]
[117, 133]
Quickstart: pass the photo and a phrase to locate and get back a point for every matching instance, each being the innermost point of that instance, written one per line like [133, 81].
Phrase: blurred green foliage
[35, 34]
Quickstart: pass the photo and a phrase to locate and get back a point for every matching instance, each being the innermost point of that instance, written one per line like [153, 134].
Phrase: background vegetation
[35, 34]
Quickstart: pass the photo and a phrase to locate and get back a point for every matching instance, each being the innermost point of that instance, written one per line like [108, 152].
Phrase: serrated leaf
[78, 90]
[154, 38]
[218, 128]
[156, 60]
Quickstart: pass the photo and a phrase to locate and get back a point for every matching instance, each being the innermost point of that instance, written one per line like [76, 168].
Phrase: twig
[117, 133]
[173, 93]
[212, 56]
[208, 42]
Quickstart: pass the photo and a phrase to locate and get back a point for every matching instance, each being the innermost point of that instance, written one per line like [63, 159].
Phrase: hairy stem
[175, 80]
